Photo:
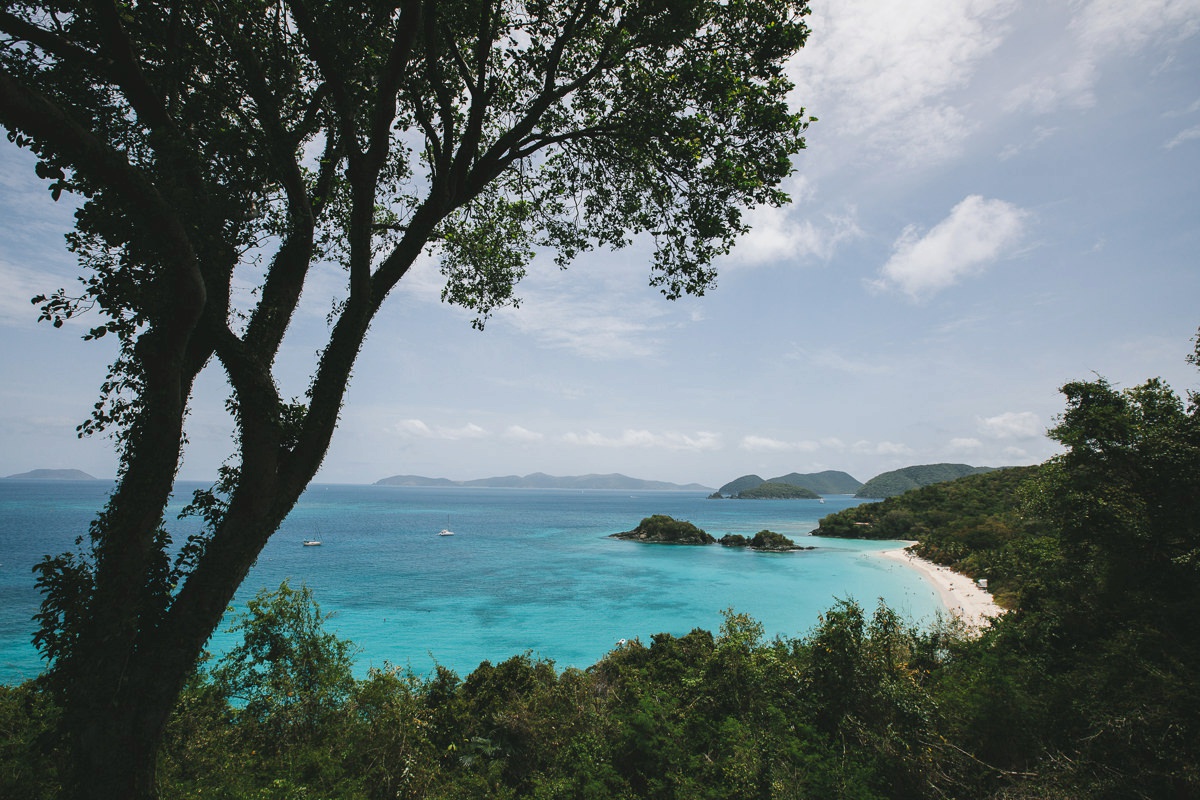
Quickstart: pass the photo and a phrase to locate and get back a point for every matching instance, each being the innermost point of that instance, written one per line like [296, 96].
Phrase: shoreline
[961, 596]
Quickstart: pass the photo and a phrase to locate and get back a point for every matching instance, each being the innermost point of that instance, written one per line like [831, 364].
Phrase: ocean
[527, 571]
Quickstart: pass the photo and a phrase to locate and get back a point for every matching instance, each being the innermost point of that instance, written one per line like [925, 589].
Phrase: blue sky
[999, 196]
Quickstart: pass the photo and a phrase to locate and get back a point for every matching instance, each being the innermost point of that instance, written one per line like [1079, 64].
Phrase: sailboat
[446, 530]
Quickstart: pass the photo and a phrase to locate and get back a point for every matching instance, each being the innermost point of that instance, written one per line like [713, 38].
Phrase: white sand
[961, 595]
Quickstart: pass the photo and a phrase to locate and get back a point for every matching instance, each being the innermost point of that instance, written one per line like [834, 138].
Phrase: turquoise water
[527, 570]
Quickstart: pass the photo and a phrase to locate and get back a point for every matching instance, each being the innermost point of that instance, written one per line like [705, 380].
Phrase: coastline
[962, 596]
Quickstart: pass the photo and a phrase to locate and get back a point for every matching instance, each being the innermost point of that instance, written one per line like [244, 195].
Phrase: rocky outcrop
[766, 541]
[661, 529]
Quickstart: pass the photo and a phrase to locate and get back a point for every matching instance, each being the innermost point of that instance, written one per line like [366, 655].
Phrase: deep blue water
[527, 570]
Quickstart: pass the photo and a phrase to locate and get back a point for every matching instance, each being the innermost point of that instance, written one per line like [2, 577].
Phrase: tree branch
[24, 109]
[387, 87]
[56, 45]
[147, 102]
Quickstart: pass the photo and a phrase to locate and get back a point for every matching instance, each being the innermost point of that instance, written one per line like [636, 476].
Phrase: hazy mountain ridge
[51, 475]
[540, 480]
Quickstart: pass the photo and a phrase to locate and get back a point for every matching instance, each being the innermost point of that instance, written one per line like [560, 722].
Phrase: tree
[1114, 626]
[257, 140]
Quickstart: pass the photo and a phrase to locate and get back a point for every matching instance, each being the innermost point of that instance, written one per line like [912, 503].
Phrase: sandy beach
[961, 595]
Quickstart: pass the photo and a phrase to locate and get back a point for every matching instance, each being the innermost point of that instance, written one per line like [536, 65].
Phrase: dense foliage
[979, 525]
[738, 484]
[763, 540]
[846, 712]
[663, 529]
[890, 484]
[827, 482]
[777, 491]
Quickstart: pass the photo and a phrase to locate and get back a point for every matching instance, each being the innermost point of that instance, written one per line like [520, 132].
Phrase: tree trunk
[116, 716]
[116, 755]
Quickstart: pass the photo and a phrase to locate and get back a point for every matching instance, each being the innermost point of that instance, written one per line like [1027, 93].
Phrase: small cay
[662, 529]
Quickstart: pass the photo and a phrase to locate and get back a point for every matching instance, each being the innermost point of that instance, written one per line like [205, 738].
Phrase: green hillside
[738, 484]
[827, 482]
[974, 525]
[898, 481]
[777, 491]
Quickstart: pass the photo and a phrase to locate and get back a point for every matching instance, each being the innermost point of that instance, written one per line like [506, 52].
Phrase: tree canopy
[225, 153]
[770, 490]
[890, 484]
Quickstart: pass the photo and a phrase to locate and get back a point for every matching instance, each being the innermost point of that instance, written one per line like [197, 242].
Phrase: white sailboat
[446, 530]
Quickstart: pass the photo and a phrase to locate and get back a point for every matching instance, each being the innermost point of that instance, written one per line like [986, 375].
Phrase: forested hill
[773, 490]
[974, 524]
[890, 484]
[827, 482]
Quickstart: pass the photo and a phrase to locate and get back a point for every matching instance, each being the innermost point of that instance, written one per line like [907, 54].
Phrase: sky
[999, 197]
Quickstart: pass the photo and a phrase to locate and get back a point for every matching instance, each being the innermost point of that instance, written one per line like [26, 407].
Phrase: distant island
[817, 483]
[540, 480]
[51, 475]
[662, 529]
[772, 490]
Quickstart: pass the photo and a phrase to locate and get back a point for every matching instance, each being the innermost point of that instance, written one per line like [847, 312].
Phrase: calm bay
[526, 570]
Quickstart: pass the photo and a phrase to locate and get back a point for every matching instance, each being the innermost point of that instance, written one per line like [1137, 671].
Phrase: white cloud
[763, 444]
[699, 441]
[602, 324]
[417, 429]
[777, 235]
[590, 310]
[1100, 31]
[793, 232]
[882, 448]
[17, 285]
[1107, 24]
[833, 360]
[977, 233]
[1013, 425]
[518, 434]
[1183, 136]
[1040, 134]
[965, 444]
[424, 278]
[883, 73]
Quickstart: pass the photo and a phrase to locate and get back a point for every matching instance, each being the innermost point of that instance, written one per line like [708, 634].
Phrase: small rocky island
[662, 529]
[767, 541]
